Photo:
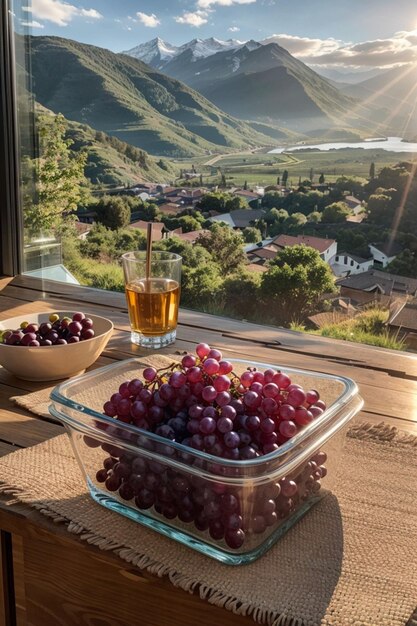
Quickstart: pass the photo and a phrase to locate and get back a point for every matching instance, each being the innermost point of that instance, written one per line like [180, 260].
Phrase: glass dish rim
[174, 257]
[350, 392]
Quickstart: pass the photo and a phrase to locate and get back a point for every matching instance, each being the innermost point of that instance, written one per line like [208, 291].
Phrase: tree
[223, 181]
[60, 175]
[201, 180]
[321, 179]
[296, 219]
[272, 200]
[311, 174]
[278, 181]
[241, 294]
[252, 234]
[201, 286]
[234, 203]
[372, 171]
[284, 178]
[405, 264]
[113, 212]
[225, 247]
[220, 202]
[314, 217]
[381, 208]
[245, 185]
[295, 280]
[335, 213]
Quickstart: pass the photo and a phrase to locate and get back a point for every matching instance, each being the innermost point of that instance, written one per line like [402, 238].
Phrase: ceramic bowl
[43, 363]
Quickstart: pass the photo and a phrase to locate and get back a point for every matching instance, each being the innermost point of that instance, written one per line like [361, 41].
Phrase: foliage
[372, 171]
[405, 264]
[335, 213]
[108, 245]
[220, 202]
[381, 208]
[186, 222]
[60, 174]
[225, 245]
[314, 216]
[294, 281]
[200, 286]
[368, 327]
[271, 199]
[241, 294]
[113, 211]
[252, 234]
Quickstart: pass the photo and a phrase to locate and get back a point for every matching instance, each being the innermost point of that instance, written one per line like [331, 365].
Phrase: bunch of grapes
[53, 333]
[202, 404]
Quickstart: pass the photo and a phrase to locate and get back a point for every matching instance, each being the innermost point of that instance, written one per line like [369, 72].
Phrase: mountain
[110, 162]
[130, 100]
[266, 83]
[157, 53]
[396, 88]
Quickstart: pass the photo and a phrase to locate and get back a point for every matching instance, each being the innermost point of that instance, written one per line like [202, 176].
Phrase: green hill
[110, 161]
[125, 98]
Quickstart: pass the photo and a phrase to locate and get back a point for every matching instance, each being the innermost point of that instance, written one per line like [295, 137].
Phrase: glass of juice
[152, 301]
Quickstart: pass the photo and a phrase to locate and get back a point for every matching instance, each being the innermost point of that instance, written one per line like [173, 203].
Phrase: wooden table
[51, 578]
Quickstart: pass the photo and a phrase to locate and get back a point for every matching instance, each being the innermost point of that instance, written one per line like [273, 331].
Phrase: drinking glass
[152, 302]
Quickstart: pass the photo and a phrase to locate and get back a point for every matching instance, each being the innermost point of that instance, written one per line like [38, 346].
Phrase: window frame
[11, 222]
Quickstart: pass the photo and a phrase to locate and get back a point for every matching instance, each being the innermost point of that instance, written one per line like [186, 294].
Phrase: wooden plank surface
[62, 593]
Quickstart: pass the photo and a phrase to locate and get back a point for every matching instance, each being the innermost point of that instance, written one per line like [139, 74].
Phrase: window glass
[258, 157]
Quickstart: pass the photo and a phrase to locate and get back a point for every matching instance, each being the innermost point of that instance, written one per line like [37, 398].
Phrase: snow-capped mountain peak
[203, 48]
[154, 52]
[158, 52]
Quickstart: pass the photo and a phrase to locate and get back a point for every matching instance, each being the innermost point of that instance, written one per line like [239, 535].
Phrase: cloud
[304, 46]
[32, 24]
[197, 19]
[59, 12]
[396, 50]
[233, 29]
[151, 21]
[206, 4]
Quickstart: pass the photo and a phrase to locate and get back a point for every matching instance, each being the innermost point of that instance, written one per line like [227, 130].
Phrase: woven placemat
[350, 561]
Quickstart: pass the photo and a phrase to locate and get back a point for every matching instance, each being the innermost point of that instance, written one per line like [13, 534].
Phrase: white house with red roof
[327, 248]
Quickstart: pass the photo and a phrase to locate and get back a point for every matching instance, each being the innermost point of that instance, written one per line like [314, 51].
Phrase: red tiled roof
[246, 193]
[157, 228]
[318, 243]
[192, 235]
[405, 318]
[170, 208]
[264, 253]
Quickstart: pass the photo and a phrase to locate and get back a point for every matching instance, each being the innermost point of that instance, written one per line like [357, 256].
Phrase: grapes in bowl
[52, 345]
[223, 457]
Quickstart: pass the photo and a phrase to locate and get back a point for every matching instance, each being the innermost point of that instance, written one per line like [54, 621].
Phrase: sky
[359, 34]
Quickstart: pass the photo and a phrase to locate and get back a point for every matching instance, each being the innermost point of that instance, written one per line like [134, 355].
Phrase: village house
[170, 208]
[403, 323]
[246, 194]
[344, 264]
[368, 286]
[384, 253]
[159, 230]
[327, 248]
[241, 218]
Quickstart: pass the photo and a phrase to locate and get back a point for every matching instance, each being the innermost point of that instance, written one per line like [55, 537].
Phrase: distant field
[263, 169]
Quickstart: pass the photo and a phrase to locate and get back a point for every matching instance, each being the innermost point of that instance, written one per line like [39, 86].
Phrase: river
[391, 144]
